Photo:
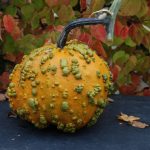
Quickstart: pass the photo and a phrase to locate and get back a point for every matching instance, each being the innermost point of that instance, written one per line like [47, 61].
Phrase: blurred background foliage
[28, 24]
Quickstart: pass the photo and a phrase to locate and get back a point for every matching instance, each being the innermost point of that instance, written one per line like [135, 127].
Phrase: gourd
[66, 85]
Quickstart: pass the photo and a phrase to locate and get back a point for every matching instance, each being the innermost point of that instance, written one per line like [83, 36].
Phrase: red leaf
[50, 28]
[118, 28]
[99, 49]
[59, 28]
[19, 57]
[4, 80]
[127, 89]
[121, 30]
[131, 88]
[136, 33]
[146, 92]
[86, 38]
[135, 80]
[9, 23]
[16, 34]
[83, 4]
[115, 71]
[98, 32]
[66, 2]
[11, 26]
[124, 32]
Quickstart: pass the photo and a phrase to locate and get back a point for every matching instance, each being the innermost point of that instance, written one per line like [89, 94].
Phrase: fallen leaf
[110, 100]
[11, 114]
[2, 97]
[139, 124]
[132, 120]
[126, 118]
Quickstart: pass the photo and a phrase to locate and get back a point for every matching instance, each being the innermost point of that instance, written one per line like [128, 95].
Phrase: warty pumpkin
[67, 88]
[66, 85]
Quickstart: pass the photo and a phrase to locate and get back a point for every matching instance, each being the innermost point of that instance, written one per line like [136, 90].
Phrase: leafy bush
[28, 24]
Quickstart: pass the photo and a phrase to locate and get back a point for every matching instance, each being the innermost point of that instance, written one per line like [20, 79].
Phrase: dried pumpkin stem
[108, 20]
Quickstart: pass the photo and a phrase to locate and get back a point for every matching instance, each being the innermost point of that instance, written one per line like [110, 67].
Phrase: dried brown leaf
[126, 118]
[132, 120]
[110, 100]
[2, 97]
[11, 114]
[139, 124]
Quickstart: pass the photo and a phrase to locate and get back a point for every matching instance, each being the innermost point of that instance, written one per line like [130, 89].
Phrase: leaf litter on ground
[132, 120]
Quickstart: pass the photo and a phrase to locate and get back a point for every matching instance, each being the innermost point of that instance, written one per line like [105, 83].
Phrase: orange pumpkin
[66, 87]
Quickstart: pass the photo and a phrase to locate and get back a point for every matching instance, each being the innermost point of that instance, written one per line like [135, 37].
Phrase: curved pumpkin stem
[106, 17]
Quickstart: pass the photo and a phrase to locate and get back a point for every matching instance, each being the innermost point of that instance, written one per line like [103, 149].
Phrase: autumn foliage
[25, 25]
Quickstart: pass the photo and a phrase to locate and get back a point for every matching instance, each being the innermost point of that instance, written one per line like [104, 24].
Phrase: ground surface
[107, 134]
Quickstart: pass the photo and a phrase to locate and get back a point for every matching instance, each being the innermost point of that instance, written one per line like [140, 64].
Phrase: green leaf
[38, 4]
[120, 58]
[130, 65]
[54, 36]
[44, 11]
[123, 79]
[39, 42]
[49, 17]
[35, 21]
[11, 10]
[96, 5]
[52, 3]
[18, 2]
[73, 2]
[29, 42]
[65, 14]
[130, 7]
[47, 13]
[143, 64]
[27, 11]
[124, 76]
[130, 42]
[9, 44]
[26, 43]
[143, 10]
[117, 41]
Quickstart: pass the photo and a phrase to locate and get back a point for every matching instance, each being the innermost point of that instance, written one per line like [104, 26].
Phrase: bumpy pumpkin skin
[66, 87]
